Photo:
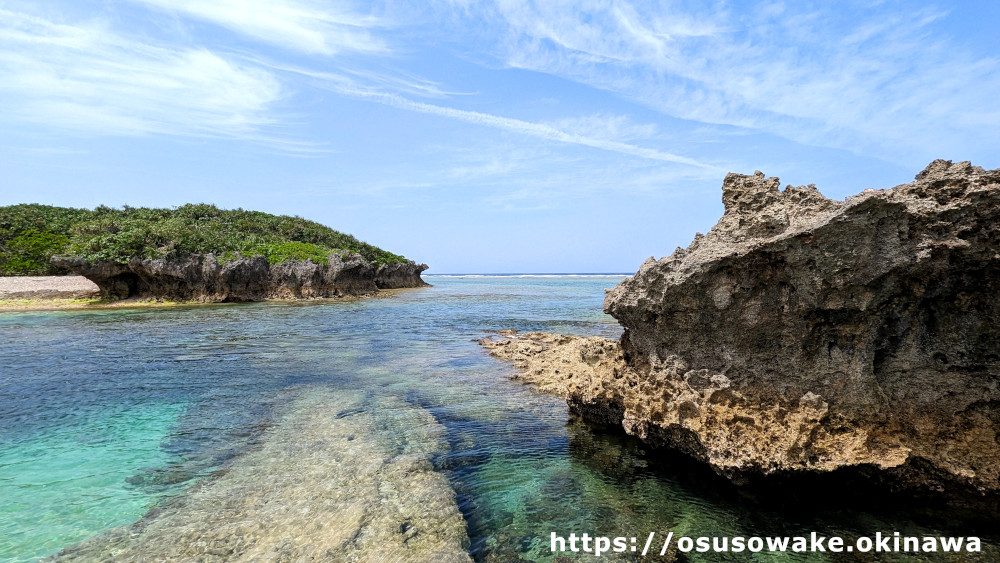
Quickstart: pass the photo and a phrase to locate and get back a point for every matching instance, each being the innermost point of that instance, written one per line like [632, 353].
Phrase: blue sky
[478, 136]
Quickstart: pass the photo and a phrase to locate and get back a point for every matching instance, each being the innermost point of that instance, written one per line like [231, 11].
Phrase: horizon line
[533, 274]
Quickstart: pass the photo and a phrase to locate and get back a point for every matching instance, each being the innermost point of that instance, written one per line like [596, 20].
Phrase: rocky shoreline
[806, 335]
[205, 278]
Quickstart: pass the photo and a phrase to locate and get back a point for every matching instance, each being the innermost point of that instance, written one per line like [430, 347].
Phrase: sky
[487, 136]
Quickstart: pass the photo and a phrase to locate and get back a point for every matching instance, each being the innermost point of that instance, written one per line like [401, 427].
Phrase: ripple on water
[60, 486]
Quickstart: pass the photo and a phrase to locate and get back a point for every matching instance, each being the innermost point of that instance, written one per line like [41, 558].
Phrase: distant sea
[532, 275]
[106, 415]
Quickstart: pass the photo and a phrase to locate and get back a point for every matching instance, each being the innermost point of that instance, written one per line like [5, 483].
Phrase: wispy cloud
[608, 133]
[879, 81]
[347, 80]
[877, 78]
[508, 172]
[85, 77]
[535, 178]
[617, 127]
[533, 129]
[300, 25]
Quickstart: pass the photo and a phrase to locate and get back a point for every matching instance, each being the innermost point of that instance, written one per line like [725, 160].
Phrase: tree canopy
[30, 234]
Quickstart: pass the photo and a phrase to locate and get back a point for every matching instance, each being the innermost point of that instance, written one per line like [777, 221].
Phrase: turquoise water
[105, 415]
[61, 486]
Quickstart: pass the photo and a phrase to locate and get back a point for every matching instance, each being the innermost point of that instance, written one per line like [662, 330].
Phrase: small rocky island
[806, 335]
[203, 277]
[197, 252]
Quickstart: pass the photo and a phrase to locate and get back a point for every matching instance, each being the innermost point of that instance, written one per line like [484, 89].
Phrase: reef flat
[331, 481]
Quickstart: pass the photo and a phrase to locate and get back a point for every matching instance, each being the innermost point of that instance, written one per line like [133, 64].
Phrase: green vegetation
[31, 234]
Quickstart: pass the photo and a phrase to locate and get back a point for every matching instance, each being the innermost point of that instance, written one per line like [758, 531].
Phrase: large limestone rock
[805, 334]
[203, 277]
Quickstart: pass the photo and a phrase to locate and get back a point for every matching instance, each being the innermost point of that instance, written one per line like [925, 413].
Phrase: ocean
[113, 417]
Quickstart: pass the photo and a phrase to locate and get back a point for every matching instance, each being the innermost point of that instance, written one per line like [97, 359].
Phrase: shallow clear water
[107, 414]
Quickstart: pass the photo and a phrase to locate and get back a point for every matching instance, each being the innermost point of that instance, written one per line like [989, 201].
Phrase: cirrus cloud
[83, 76]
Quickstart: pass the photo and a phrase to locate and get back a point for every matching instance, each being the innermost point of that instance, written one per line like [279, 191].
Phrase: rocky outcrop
[203, 277]
[803, 334]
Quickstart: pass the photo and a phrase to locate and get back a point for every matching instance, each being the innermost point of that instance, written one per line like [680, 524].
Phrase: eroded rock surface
[334, 481]
[803, 333]
[205, 278]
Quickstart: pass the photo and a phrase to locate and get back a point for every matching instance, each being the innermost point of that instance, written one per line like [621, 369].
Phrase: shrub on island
[30, 234]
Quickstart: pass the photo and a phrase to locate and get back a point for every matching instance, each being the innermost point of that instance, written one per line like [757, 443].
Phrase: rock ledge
[202, 277]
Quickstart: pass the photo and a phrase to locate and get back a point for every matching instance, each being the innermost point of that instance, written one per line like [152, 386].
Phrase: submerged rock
[806, 334]
[334, 480]
[203, 277]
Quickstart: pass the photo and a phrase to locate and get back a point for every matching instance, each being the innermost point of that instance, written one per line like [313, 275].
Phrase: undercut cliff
[202, 277]
[803, 334]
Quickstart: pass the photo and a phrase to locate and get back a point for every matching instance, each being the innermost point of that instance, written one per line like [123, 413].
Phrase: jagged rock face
[804, 334]
[863, 332]
[399, 276]
[204, 278]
